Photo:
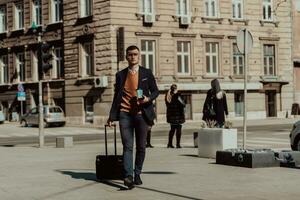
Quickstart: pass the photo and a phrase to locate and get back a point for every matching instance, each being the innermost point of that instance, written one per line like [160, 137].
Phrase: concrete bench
[63, 142]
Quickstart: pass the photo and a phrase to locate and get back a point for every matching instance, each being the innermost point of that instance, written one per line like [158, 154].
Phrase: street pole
[41, 110]
[245, 88]
[21, 102]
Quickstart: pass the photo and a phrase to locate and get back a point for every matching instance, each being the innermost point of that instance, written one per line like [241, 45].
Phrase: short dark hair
[132, 47]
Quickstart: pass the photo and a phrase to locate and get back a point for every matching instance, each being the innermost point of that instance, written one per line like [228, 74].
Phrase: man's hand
[143, 100]
[109, 122]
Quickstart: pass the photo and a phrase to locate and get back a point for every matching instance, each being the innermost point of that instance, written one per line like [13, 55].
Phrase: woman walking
[175, 114]
[215, 105]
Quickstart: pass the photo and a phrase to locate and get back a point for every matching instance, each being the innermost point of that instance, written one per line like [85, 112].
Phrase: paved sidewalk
[235, 123]
[14, 130]
[30, 173]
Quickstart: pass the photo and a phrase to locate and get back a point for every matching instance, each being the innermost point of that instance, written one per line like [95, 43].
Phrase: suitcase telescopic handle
[115, 138]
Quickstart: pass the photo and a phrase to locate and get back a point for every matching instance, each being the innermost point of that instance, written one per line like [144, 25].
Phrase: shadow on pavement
[158, 172]
[91, 176]
[190, 155]
[8, 145]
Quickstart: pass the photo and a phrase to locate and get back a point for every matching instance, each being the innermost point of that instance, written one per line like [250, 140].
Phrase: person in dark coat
[175, 114]
[215, 104]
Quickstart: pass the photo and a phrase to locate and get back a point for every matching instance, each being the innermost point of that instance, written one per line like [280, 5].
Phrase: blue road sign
[21, 96]
[20, 87]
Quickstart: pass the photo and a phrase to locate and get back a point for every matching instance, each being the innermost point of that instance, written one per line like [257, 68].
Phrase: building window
[57, 63]
[267, 10]
[182, 7]
[211, 8]
[148, 54]
[87, 68]
[85, 8]
[183, 57]
[297, 5]
[239, 104]
[56, 11]
[37, 12]
[2, 19]
[238, 61]
[34, 68]
[20, 67]
[146, 7]
[3, 69]
[212, 57]
[269, 60]
[237, 9]
[19, 16]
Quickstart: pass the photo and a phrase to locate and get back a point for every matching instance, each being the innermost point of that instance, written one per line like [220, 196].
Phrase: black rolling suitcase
[109, 166]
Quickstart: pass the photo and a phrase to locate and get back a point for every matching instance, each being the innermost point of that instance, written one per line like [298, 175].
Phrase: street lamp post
[41, 110]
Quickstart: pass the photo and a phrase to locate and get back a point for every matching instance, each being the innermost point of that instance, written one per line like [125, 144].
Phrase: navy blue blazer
[147, 83]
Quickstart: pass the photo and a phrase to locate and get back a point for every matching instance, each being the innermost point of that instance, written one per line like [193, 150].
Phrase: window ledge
[55, 25]
[184, 77]
[176, 18]
[263, 22]
[84, 20]
[55, 80]
[237, 76]
[5, 84]
[147, 22]
[140, 16]
[16, 32]
[269, 77]
[218, 19]
[38, 29]
[83, 78]
[207, 76]
[245, 21]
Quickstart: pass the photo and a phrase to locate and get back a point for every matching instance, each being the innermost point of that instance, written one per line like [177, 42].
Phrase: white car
[2, 117]
[53, 115]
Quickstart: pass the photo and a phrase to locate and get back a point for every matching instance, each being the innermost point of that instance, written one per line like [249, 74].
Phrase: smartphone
[139, 93]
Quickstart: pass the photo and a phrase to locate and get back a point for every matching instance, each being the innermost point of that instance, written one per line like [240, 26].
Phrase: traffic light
[45, 57]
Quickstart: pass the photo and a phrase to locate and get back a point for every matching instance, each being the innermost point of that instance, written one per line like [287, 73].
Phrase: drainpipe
[292, 49]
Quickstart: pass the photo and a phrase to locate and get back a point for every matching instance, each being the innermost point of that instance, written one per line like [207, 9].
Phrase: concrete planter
[211, 140]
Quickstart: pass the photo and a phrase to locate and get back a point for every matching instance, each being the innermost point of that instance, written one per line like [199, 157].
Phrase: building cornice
[156, 34]
[191, 35]
[270, 38]
[212, 36]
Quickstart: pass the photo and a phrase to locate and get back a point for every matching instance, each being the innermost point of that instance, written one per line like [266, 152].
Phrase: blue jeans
[130, 124]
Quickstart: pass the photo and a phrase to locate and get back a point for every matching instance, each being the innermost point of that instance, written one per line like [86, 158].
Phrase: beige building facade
[296, 49]
[188, 42]
[19, 54]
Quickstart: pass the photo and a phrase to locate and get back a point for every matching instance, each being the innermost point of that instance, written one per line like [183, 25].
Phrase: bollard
[63, 142]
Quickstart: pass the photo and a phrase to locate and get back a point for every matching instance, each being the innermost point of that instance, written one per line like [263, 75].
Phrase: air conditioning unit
[100, 82]
[149, 18]
[185, 20]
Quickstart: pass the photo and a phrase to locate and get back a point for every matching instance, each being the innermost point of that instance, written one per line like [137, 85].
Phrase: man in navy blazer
[132, 106]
